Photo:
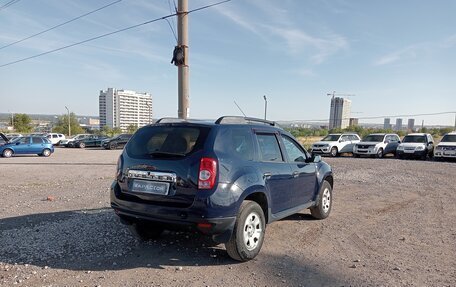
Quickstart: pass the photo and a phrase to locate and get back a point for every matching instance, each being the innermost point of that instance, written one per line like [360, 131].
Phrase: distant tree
[21, 123]
[132, 128]
[62, 125]
[110, 132]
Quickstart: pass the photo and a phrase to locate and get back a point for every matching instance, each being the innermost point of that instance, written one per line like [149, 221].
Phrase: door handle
[267, 175]
[295, 174]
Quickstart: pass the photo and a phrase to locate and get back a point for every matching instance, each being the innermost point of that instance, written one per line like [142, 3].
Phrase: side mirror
[313, 158]
[18, 143]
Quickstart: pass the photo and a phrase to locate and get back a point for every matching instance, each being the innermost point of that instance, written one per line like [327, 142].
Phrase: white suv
[447, 147]
[335, 144]
[377, 145]
[55, 138]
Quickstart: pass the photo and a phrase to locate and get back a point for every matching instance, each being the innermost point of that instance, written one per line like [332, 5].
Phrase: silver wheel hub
[326, 200]
[252, 231]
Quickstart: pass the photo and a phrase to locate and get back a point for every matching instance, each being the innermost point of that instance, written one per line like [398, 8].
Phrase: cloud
[299, 42]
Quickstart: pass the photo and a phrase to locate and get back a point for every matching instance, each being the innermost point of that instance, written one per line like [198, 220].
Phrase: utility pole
[69, 122]
[183, 70]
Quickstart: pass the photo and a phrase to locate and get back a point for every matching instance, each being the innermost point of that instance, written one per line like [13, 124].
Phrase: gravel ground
[393, 224]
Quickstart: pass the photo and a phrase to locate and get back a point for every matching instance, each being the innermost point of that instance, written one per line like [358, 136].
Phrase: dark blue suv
[227, 179]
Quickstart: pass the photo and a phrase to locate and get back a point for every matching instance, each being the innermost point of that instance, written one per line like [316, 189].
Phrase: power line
[61, 24]
[6, 5]
[110, 33]
[381, 117]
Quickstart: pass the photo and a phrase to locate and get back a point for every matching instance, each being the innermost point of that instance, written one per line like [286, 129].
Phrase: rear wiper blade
[165, 153]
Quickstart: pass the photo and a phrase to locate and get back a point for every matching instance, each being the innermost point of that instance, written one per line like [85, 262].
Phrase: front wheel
[82, 145]
[248, 234]
[379, 153]
[334, 152]
[46, 152]
[324, 203]
[7, 153]
[112, 146]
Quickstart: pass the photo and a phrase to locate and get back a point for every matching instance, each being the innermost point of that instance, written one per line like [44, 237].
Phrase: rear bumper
[175, 218]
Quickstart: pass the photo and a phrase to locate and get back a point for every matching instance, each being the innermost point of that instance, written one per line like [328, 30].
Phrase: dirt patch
[393, 224]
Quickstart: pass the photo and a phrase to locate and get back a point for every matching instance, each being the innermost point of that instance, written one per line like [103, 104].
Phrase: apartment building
[339, 115]
[122, 108]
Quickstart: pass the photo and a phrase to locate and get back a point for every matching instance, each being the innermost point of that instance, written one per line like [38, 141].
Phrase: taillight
[207, 173]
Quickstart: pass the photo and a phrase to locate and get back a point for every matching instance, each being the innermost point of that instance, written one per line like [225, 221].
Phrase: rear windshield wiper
[165, 154]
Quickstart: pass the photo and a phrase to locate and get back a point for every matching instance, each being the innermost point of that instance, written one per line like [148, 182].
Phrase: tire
[324, 202]
[248, 234]
[112, 146]
[379, 153]
[145, 231]
[398, 156]
[334, 151]
[7, 153]
[46, 152]
[356, 155]
[81, 145]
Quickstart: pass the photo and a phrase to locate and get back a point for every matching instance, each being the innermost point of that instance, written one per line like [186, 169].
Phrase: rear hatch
[161, 164]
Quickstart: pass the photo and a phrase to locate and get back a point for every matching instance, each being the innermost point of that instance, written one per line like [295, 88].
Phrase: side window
[295, 153]
[24, 140]
[388, 139]
[269, 148]
[55, 136]
[37, 140]
[237, 142]
[354, 138]
[345, 138]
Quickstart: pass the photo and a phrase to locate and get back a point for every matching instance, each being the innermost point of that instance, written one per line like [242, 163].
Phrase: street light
[265, 106]
[69, 125]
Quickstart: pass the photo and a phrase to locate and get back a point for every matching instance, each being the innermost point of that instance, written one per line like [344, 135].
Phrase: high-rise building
[411, 124]
[122, 108]
[398, 126]
[353, 122]
[387, 123]
[339, 115]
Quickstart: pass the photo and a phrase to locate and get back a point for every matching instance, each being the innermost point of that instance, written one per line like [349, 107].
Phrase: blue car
[27, 145]
[226, 179]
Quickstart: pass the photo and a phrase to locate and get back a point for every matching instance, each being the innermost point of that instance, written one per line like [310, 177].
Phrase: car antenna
[239, 108]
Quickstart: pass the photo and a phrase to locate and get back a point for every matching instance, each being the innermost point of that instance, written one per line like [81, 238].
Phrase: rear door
[276, 171]
[37, 145]
[303, 174]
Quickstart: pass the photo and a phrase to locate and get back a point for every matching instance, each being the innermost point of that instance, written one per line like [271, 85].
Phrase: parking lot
[393, 223]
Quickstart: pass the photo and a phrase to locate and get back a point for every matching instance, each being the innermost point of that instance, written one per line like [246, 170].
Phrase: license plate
[152, 187]
[409, 151]
[449, 153]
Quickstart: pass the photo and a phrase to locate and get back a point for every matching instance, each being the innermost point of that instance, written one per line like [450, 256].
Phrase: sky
[395, 57]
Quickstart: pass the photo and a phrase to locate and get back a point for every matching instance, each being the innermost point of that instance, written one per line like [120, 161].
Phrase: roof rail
[169, 120]
[238, 119]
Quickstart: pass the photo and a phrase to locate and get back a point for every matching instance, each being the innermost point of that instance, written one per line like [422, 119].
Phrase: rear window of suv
[166, 141]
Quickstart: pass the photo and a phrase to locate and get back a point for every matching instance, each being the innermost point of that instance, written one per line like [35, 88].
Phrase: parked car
[447, 147]
[335, 144]
[90, 141]
[11, 136]
[226, 179]
[27, 145]
[65, 142]
[3, 139]
[55, 138]
[377, 145]
[116, 142]
[418, 145]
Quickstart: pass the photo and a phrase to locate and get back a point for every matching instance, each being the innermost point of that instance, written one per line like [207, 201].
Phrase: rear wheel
[334, 151]
[324, 204]
[7, 153]
[248, 234]
[145, 231]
